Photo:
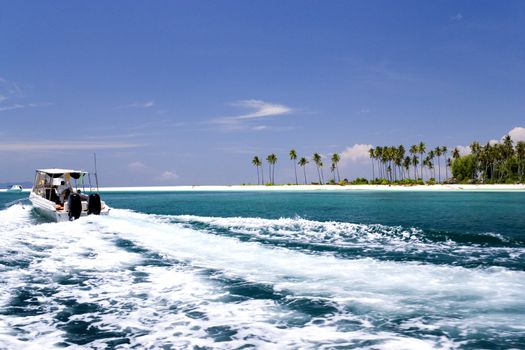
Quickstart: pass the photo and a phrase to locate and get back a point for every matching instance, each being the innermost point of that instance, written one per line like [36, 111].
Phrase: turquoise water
[358, 270]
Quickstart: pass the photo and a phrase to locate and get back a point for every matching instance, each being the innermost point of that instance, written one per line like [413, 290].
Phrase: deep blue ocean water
[270, 270]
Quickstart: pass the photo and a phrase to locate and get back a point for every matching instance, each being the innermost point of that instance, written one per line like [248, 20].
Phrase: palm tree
[317, 160]
[293, 157]
[415, 162]
[520, 155]
[430, 158]
[372, 156]
[406, 165]
[322, 172]
[430, 165]
[302, 163]
[272, 159]
[421, 148]
[379, 155]
[399, 155]
[444, 151]
[335, 160]
[413, 151]
[455, 153]
[438, 153]
[257, 163]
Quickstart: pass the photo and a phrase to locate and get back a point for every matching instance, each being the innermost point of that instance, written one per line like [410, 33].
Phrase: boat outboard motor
[94, 205]
[74, 206]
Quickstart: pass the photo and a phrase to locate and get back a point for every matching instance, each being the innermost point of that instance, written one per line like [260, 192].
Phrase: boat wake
[139, 280]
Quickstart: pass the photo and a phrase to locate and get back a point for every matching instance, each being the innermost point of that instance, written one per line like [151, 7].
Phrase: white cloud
[517, 134]
[136, 166]
[146, 104]
[463, 150]
[260, 110]
[356, 153]
[62, 146]
[168, 176]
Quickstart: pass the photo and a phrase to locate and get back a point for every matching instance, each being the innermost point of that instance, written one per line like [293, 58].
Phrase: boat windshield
[48, 184]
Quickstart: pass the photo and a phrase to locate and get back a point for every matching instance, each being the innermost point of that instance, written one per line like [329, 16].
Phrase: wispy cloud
[12, 97]
[167, 176]
[457, 17]
[258, 110]
[20, 106]
[10, 88]
[145, 104]
[261, 109]
[364, 110]
[136, 166]
[46, 146]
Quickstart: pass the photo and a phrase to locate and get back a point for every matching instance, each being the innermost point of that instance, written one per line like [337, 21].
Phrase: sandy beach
[430, 188]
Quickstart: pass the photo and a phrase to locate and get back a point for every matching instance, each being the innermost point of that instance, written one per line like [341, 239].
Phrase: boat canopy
[54, 173]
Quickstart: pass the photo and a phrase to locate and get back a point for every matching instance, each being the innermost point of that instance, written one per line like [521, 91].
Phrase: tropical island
[494, 163]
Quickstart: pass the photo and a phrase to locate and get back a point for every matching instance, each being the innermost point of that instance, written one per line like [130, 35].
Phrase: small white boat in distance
[54, 196]
[14, 188]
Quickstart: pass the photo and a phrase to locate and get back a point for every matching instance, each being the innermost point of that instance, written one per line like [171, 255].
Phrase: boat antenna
[96, 175]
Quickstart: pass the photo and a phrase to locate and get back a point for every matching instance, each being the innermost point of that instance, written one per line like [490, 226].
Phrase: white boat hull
[48, 209]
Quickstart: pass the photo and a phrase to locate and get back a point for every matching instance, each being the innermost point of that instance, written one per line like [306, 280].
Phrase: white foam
[373, 238]
[161, 305]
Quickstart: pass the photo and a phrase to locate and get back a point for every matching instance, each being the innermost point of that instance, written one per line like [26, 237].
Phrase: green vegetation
[493, 163]
[501, 162]
[394, 164]
[302, 163]
[271, 159]
[257, 163]
[293, 157]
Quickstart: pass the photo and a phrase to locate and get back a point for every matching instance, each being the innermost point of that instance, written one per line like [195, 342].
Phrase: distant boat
[54, 196]
[14, 188]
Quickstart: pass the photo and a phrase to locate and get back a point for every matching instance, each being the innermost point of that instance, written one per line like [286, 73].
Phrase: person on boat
[82, 196]
[63, 191]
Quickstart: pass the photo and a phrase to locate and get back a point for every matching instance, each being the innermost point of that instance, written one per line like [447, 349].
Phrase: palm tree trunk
[258, 182]
[421, 163]
[338, 176]
[373, 175]
[262, 175]
[304, 171]
[439, 168]
[295, 169]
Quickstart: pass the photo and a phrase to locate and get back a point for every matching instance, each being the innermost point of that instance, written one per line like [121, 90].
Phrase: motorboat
[14, 188]
[60, 195]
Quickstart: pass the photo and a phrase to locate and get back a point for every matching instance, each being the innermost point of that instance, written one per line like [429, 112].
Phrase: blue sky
[186, 92]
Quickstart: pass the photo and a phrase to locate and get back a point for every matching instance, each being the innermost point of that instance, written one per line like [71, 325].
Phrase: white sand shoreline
[239, 188]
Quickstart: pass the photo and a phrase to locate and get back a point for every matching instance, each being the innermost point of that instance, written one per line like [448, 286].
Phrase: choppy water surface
[357, 270]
